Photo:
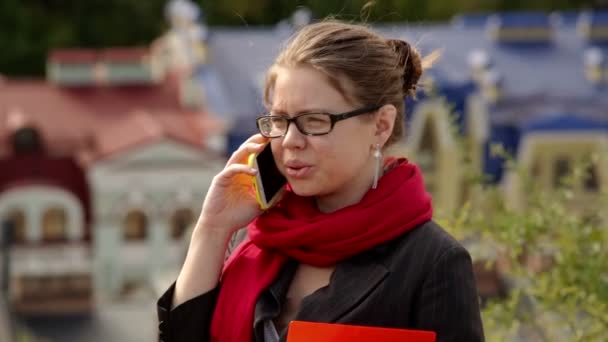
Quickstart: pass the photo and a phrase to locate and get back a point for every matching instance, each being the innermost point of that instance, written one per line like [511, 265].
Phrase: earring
[377, 162]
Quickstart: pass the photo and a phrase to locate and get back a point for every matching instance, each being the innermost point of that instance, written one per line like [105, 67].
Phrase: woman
[352, 240]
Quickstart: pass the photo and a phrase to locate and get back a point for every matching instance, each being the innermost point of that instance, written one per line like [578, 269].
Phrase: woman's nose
[293, 138]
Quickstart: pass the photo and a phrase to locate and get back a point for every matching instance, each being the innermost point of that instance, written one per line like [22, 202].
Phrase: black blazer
[421, 280]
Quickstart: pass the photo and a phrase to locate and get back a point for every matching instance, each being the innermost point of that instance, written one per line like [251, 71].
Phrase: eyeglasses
[274, 126]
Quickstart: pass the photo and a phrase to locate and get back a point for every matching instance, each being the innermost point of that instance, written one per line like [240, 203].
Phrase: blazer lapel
[351, 283]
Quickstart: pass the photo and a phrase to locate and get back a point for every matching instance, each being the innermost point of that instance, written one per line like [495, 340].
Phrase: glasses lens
[314, 123]
[272, 126]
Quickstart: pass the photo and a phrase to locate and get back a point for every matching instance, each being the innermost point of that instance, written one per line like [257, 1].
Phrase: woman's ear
[385, 122]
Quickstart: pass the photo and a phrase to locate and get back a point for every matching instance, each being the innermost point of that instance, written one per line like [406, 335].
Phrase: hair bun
[409, 59]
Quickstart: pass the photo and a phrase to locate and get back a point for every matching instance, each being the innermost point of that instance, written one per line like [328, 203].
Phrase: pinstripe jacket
[420, 280]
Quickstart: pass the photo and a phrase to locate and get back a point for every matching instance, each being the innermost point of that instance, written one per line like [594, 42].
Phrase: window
[136, 226]
[17, 218]
[180, 222]
[535, 170]
[591, 181]
[54, 225]
[561, 169]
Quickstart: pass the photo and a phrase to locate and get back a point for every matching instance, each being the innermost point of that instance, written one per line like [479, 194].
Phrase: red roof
[96, 122]
[127, 54]
[121, 99]
[61, 119]
[124, 54]
[139, 128]
[73, 56]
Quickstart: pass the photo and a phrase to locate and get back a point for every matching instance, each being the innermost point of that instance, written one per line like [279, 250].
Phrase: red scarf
[295, 228]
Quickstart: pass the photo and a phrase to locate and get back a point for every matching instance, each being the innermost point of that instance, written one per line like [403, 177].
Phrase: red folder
[300, 331]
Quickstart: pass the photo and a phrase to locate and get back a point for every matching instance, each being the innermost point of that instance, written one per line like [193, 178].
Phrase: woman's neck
[331, 203]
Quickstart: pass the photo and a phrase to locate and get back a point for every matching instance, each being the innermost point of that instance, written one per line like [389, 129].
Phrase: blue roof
[471, 20]
[540, 82]
[521, 19]
[565, 18]
[518, 111]
[241, 58]
[596, 18]
[565, 122]
[215, 96]
[525, 69]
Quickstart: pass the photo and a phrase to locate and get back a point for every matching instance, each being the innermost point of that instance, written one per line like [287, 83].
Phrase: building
[106, 162]
[104, 166]
[534, 83]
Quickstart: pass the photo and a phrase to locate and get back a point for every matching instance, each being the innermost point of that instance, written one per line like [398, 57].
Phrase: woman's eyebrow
[304, 111]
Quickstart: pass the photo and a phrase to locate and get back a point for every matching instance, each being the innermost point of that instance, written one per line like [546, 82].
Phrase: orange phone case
[258, 197]
[300, 331]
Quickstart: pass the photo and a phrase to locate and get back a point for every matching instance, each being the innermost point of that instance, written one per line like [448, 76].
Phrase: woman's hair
[364, 67]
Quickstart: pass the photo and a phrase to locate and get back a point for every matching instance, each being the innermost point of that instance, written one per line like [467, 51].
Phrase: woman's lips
[298, 172]
[296, 169]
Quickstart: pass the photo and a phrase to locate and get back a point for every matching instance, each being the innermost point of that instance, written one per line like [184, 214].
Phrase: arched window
[54, 222]
[136, 226]
[591, 181]
[535, 171]
[561, 170]
[17, 218]
[181, 220]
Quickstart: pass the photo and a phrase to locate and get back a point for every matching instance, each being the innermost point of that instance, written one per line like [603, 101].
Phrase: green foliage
[553, 251]
[29, 28]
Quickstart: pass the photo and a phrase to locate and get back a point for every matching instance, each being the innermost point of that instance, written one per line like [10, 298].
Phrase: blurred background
[115, 115]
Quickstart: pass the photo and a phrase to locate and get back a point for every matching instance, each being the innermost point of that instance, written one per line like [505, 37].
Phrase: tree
[29, 28]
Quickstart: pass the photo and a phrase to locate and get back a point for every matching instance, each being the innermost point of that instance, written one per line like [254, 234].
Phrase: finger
[256, 138]
[227, 176]
[243, 152]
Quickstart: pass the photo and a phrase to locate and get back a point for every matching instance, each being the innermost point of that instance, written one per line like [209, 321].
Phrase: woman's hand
[230, 203]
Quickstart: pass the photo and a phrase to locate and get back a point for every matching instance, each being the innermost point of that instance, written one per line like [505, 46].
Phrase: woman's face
[337, 165]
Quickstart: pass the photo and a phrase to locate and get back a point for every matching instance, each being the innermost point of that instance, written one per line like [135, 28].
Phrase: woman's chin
[303, 189]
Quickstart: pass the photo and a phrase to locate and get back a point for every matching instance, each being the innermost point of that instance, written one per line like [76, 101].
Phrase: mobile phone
[268, 183]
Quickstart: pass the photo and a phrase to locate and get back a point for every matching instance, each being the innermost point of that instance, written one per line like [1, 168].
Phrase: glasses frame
[332, 117]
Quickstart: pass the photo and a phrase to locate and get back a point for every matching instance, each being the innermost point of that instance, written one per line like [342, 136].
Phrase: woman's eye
[315, 120]
[278, 121]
